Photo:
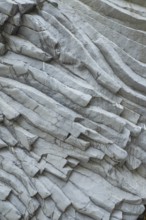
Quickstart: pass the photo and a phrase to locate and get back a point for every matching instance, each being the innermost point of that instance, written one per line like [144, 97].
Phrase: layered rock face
[72, 109]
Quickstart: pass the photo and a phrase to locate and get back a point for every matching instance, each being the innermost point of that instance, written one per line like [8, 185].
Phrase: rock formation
[72, 109]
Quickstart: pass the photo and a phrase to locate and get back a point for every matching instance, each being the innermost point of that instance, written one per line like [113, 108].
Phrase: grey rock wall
[72, 109]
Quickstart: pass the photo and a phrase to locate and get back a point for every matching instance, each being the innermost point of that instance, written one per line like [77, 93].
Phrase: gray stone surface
[72, 109]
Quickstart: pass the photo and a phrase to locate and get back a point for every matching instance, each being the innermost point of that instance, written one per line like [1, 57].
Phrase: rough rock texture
[72, 109]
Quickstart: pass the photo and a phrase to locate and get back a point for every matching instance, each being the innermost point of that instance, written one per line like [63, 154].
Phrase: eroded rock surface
[72, 109]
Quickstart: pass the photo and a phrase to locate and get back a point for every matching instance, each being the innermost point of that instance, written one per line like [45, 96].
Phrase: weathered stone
[72, 109]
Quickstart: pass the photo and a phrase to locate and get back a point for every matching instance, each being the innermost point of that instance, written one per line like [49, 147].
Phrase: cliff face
[72, 110]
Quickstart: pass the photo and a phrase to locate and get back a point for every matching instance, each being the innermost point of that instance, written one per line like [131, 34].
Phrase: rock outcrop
[72, 109]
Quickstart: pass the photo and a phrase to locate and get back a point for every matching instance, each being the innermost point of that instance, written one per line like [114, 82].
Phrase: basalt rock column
[72, 110]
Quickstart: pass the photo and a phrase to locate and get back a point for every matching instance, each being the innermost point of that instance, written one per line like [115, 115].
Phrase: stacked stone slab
[72, 109]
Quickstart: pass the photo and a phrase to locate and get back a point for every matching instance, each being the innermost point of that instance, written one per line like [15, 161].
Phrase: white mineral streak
[72, 109]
